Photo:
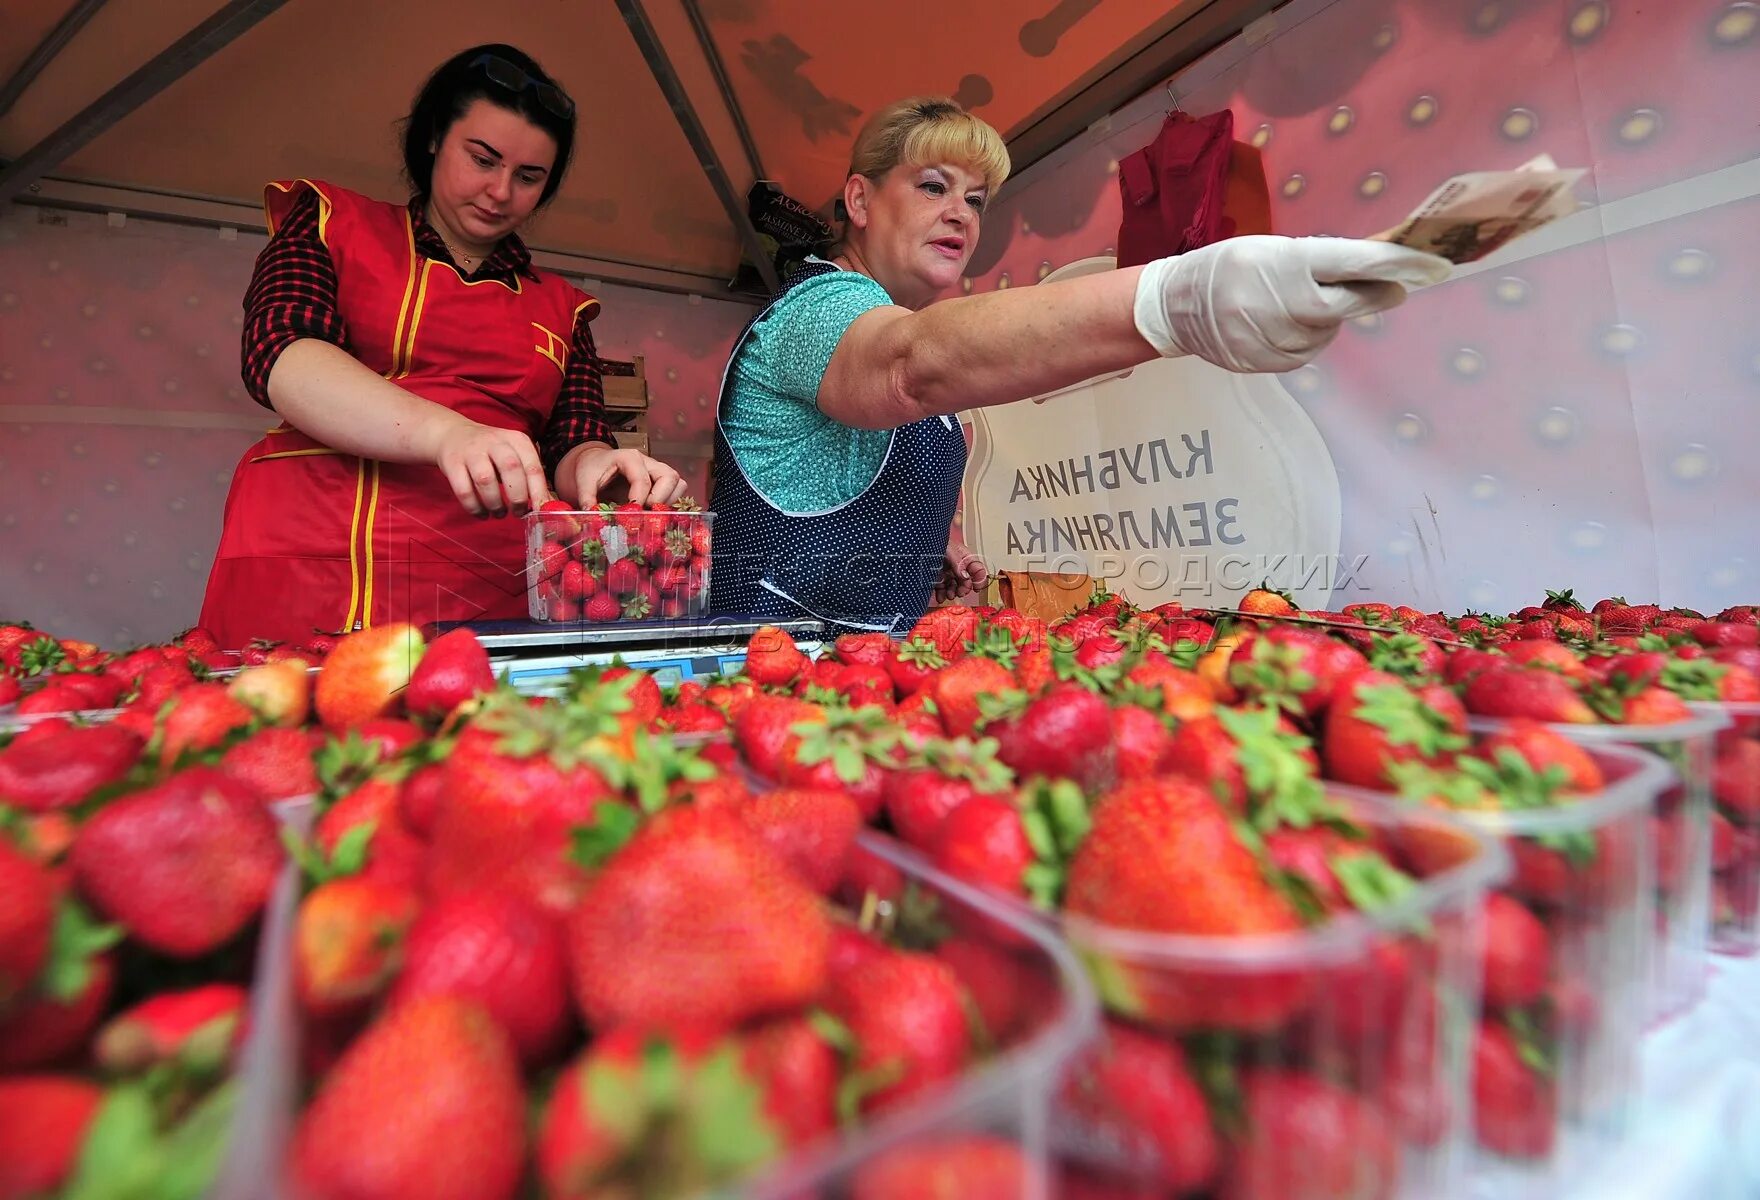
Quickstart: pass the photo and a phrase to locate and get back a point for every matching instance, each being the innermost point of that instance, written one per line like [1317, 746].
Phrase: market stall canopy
[176, 108]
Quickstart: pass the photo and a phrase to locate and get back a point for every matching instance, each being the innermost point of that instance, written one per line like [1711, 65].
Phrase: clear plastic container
[1680, 833]
[601, 568]
[1001, 1106]
[1362, 1023]
[1735, 831]
[1555, 1078]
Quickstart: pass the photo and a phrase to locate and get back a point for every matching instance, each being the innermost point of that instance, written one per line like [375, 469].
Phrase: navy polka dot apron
[869, 564]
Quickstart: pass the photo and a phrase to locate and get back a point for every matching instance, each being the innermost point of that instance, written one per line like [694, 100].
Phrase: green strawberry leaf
[196, 1146]
[857, 1086]
[1370, 882]
[1407, 720]
[611, 830]
[1401, 654]
[122, 1155]
[1531, 1041]
[731, 1135]
[350, 855]
[832, 1032]
[74, 940]
[1578, 846]
[1693, 679]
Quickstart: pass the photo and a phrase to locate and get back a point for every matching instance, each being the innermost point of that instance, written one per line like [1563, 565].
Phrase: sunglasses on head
[514, 79]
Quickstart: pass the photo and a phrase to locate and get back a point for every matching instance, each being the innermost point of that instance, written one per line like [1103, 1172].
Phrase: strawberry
[1179, 693]
[1298, 668]
[906, 1012]
[43, 1125]
[518, 782]
[366, 675]
[1650, 706]
[1066, 733]
[446, 1069]
[812, 831]
[772, 658]
[1202, 750]
[279, 692]
[957, 688]
[934, 779]
[1006, 989]
[184, 865]
[641, 1114]
[198, 1029]
[985, 842]
[948, 628]
[1512, 691]
[1553, 655]
[1617, 616]
[500, 951]
[914, 665]
[1266, 602]
[553, 561]
[642, 602]
[865, 686]
[1514, 1103]
[558, 521]
[1136, 1093]
[1735, 779]
[1310, 1139]
[363, 833]
[200, 718]
[1518, 954]
[973, 1166]
[695, 920]
[797, 1071]
[1140, 742]
[1720, 634]
[1542, 748]
[769, 730]
[159, 683]
[27, 915]
[54, 1022]
[348, 942]
[275, 762]
[1308, 855]
[623, 578]
[601, 608]
[1131, 871]
[454, 668]
[1374, 721]
[864, 649]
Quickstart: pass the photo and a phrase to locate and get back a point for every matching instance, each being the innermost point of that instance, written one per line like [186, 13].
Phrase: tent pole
[660, 65]
[160, 72]
[694, 13]
[71, 22]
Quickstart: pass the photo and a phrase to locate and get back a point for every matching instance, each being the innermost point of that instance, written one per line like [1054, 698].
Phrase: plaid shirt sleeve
[579, 415]
[292, 295]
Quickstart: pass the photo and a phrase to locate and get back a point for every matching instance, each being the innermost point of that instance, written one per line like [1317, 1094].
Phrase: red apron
[315, 539]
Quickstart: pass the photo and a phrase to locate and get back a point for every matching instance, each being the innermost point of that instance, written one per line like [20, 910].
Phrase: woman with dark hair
[430, 380]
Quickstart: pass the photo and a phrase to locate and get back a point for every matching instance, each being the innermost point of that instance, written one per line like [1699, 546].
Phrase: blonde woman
[837, 456]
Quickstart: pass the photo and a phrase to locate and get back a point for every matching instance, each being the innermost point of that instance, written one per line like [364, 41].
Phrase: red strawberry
[48, 1027]
[454, 668]
[200, 1028]
[812, 831]
[1135, 1092]
[43, 1124]
[624, 577]
[1202, 750]
[500, 951]
[200, 718]
[1727, 634]
[1163, 857]
[1310, 1139]
[772, 658]
[1307, 855]
[446, 1069]
[275, 762]
[601, 608]
[914, 665]
[695, 920]
[367, 674]
[348, 942]
[184, 865]
[948, 629]
[680, 1113]
[906, 1013]
[27, 915]
[1518, 954]
[1514, 1103]
[1066, 733]
[984, 841]
[973, 1166]
[957, 688]
[865, 649]
[1542, 748]
[768, 734]
[1006, 990]
[798, 1073]
[1141, 742]
[370, 816]
[639, 688]
[1374, 721]
[1735, 779]
[280, 692]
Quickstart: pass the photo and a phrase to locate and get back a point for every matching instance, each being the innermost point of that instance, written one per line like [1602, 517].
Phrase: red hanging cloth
[1193, 185]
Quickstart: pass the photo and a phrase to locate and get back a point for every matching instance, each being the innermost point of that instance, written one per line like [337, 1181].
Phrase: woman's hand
[964, 573]
[492, 471]
[595, 472]
[1264, 303]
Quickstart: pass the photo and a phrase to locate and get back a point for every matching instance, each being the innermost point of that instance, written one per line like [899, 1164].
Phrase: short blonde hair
[925, 130]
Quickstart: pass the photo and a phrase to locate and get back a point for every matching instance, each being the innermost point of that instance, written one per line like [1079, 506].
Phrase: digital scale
[537, 656]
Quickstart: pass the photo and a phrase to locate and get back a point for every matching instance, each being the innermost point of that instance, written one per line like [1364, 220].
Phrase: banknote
[1473, 215]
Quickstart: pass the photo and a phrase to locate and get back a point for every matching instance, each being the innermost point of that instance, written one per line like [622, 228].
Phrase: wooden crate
[626, 383]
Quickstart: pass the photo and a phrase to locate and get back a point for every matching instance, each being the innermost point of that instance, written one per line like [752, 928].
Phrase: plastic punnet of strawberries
[626, 562]
[1150, 779]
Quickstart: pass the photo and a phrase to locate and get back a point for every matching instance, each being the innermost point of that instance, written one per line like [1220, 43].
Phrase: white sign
[1175, 480]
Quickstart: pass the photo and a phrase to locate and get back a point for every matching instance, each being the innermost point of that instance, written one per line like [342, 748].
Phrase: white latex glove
[1264, 303]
